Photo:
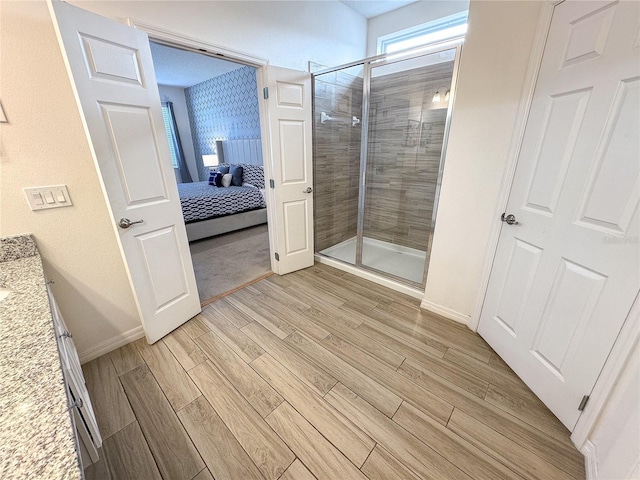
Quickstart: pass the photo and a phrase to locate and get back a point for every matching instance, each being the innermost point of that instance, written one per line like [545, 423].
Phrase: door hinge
[265, 92]
[583, 403]
[277, 257]
[272, 184]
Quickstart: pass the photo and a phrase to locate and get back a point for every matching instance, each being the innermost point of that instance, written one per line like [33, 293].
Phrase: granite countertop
[36, 431]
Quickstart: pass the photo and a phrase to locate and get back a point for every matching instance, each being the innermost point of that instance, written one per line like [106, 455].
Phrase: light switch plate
[52, 196]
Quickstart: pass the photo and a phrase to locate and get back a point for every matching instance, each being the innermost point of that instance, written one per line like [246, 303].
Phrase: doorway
[565, 273]
[133, 159]
[211, 113]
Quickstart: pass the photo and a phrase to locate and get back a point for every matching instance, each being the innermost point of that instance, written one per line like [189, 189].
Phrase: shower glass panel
[337, 142]
[408, 107]
[380, 128]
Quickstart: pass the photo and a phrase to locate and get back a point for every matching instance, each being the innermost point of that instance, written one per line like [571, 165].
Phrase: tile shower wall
[224, 107]
[405, 143]
[337, 157]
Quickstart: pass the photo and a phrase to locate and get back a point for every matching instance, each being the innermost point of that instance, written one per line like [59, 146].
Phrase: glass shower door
[337, 142]
[408, 112]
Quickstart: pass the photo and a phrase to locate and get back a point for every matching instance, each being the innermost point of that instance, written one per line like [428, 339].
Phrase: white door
[114, 83]
[565, 276]
[289, 160]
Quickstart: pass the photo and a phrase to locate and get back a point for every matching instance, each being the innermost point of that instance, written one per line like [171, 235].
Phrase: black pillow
[236, 175]
[223, 169]
[217, 179]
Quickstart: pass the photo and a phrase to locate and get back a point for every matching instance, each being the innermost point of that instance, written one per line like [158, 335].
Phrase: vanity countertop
[36, 430]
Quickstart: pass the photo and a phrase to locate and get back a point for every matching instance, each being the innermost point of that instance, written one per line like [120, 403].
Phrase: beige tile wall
[405, 142]
[337, 158]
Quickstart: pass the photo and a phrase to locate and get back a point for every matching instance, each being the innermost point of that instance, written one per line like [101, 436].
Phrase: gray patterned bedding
[201, 201]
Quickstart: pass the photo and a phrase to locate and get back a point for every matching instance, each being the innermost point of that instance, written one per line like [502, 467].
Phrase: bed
[209, 210]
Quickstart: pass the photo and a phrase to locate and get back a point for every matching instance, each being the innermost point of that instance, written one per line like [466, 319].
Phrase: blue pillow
[223, 169]
[236, 175]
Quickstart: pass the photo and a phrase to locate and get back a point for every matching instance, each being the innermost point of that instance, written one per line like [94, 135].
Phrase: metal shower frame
[368, 64]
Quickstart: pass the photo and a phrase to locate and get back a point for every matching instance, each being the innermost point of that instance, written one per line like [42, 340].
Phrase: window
[432, 32]
[166, 116]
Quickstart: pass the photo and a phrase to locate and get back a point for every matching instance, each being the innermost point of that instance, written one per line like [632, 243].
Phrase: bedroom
[210, 108]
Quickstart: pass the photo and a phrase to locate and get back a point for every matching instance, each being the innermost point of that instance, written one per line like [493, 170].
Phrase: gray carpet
[227, 261]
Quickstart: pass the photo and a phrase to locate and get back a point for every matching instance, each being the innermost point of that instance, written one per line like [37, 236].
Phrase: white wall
[490, 83]
[413, 14]
[616, 435]
[176, 95]
[45, 142]
[287, 33]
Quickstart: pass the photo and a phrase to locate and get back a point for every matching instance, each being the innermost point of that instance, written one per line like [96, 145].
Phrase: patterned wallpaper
[224, 107]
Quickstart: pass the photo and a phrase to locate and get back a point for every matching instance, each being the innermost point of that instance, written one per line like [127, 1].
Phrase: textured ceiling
[373, 8]
[181, 68]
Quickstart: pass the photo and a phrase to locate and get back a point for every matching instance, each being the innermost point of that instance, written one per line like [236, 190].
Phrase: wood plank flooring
[320, 374]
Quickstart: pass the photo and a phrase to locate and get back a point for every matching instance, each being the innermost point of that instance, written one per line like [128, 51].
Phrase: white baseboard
[445, 312]
[590, 464]
[111, 344]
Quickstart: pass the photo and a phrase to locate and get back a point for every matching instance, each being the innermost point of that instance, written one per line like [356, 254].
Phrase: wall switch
[36, 198]
[53, 196]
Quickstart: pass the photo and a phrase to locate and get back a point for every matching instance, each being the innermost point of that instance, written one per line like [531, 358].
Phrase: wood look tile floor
[320, 374]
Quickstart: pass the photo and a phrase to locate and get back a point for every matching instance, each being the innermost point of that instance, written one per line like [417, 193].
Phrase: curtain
[174, 141]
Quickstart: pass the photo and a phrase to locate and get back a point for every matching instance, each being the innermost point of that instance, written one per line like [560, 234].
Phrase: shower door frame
[368, 64]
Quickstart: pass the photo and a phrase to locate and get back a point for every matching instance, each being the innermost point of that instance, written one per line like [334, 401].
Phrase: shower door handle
[307, 190]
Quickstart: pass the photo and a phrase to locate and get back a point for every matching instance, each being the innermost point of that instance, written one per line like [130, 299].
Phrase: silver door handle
[307, 190]
[126, 223]
[509, 219]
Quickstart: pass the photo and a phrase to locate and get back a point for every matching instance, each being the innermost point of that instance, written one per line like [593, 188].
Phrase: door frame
[629, 335]
[194, 44]
[531, 77]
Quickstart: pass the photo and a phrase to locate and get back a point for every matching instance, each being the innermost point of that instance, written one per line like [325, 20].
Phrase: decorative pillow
[253, 174]
[236, 175]
[212, 177]
[217, 179]
[226, 179]
[223, 169]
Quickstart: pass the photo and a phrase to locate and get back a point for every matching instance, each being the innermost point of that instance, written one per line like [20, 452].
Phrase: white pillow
[226, 179]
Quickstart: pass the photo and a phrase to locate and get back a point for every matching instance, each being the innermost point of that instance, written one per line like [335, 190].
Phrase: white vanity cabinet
[87, 433]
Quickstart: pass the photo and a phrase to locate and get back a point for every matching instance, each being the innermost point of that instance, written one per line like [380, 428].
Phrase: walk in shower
[380, 129]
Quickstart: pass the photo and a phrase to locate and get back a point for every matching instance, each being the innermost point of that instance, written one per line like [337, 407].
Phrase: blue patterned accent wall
[224, 107]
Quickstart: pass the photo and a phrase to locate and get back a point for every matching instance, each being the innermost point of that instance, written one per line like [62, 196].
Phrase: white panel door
[290, 165]
[114, 82]
[565, 276]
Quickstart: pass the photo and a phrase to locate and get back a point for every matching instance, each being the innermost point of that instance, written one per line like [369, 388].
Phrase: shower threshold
[403, 262]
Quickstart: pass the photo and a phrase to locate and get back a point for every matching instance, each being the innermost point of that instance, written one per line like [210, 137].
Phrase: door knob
[126, 223]
[509, 219]
[307, 190]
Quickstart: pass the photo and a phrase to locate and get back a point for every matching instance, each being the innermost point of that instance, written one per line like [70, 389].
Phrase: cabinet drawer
[85, 420]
